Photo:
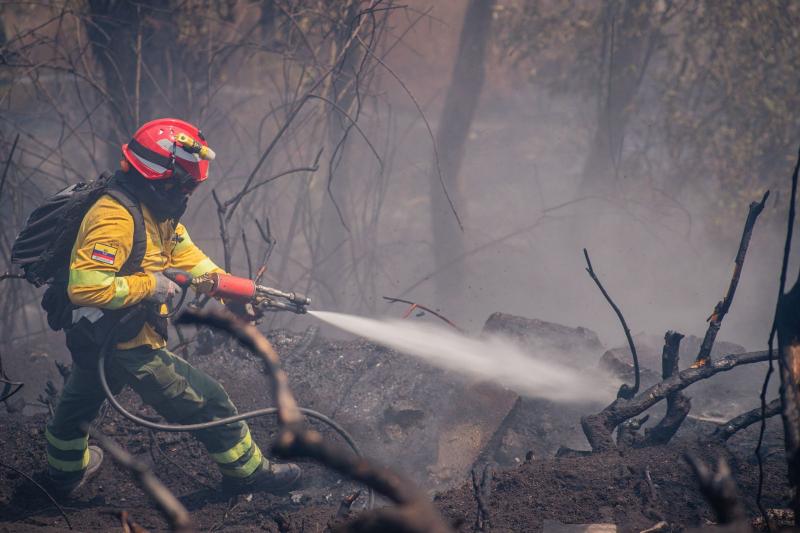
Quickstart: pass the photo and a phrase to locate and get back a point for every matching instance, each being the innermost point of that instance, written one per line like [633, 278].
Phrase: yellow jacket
[104, 242]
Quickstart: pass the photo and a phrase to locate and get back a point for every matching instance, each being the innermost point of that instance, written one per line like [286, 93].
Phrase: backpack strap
[139, 247]
[133, 264]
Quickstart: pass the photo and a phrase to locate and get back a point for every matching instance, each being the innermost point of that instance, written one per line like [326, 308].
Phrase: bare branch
[353, 123]
[625, 391]
[247, 255]
[177, 515]
[249, 337]
[8, 165]
[313, 168]
[599, 427]
[437, 159]
[745, 420]
[223, 231]
[7, 386]
[721, 309]
[415, 305]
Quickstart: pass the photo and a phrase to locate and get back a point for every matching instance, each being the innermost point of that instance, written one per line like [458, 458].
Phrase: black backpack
[44, 246]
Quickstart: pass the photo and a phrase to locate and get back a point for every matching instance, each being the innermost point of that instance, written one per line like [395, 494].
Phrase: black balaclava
[162, 203]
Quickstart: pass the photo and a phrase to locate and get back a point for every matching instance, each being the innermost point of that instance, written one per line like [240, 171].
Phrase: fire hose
[225, 286]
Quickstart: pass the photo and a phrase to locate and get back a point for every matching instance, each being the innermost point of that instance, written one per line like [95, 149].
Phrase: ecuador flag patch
[105, 254]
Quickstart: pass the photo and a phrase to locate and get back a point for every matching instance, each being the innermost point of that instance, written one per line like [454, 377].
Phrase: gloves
[165, 289]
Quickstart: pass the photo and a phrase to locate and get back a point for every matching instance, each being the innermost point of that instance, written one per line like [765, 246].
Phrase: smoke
[490, 358]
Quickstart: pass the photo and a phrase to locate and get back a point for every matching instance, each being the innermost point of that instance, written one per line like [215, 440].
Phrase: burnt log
[599, 427]
[678, 405]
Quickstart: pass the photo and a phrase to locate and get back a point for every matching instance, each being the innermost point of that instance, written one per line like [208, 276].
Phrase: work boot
[66, 485]
[270, 477]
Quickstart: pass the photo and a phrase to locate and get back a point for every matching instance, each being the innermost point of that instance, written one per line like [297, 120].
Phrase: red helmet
[160, 144]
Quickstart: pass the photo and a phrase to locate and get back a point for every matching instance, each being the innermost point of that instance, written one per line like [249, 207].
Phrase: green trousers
[179, 392]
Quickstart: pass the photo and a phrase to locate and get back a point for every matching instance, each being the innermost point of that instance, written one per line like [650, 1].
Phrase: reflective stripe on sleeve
[235, 453]
[121, 291]
[78, 444]
[203, 267]
[90, 278]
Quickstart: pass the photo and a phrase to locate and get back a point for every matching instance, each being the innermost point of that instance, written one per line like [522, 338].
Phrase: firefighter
[161, 166]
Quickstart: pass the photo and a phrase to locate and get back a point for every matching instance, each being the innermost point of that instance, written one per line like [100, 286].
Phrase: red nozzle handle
[182, 278]
[233, 288]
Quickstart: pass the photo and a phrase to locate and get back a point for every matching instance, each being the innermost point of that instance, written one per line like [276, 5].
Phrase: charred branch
[413, 511]
[722, 307]
[436, 156]
[247, 255]
[248, 336]
[347, 503]
[599, 427]
[270, 242]
[628, 434]
[8, 164]
[745, 420]
[678, 405]
[625, 391]
[223, 231]
[10, 388]
[482, 489]
[414, 305]
[176, 514]
[719, 489]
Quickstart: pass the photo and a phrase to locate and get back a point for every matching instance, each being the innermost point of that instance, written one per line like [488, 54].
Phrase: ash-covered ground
[426, 423]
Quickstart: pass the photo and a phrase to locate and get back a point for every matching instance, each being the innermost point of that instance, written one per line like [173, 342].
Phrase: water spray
[536, 373]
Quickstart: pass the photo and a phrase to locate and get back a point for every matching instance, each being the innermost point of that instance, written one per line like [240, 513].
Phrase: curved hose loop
[101, 370]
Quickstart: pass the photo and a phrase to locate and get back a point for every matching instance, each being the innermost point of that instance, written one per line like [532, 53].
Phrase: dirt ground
[634, 489]
[606, 488]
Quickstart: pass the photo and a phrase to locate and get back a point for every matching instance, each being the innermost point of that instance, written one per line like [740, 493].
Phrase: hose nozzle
[294, 301]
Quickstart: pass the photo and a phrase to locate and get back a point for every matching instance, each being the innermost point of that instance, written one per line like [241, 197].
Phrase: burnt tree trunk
[460, 103]
[146, 71]
[112, 31]
[788, 328]
[331, 257]
[678, 405]
[629, 39]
